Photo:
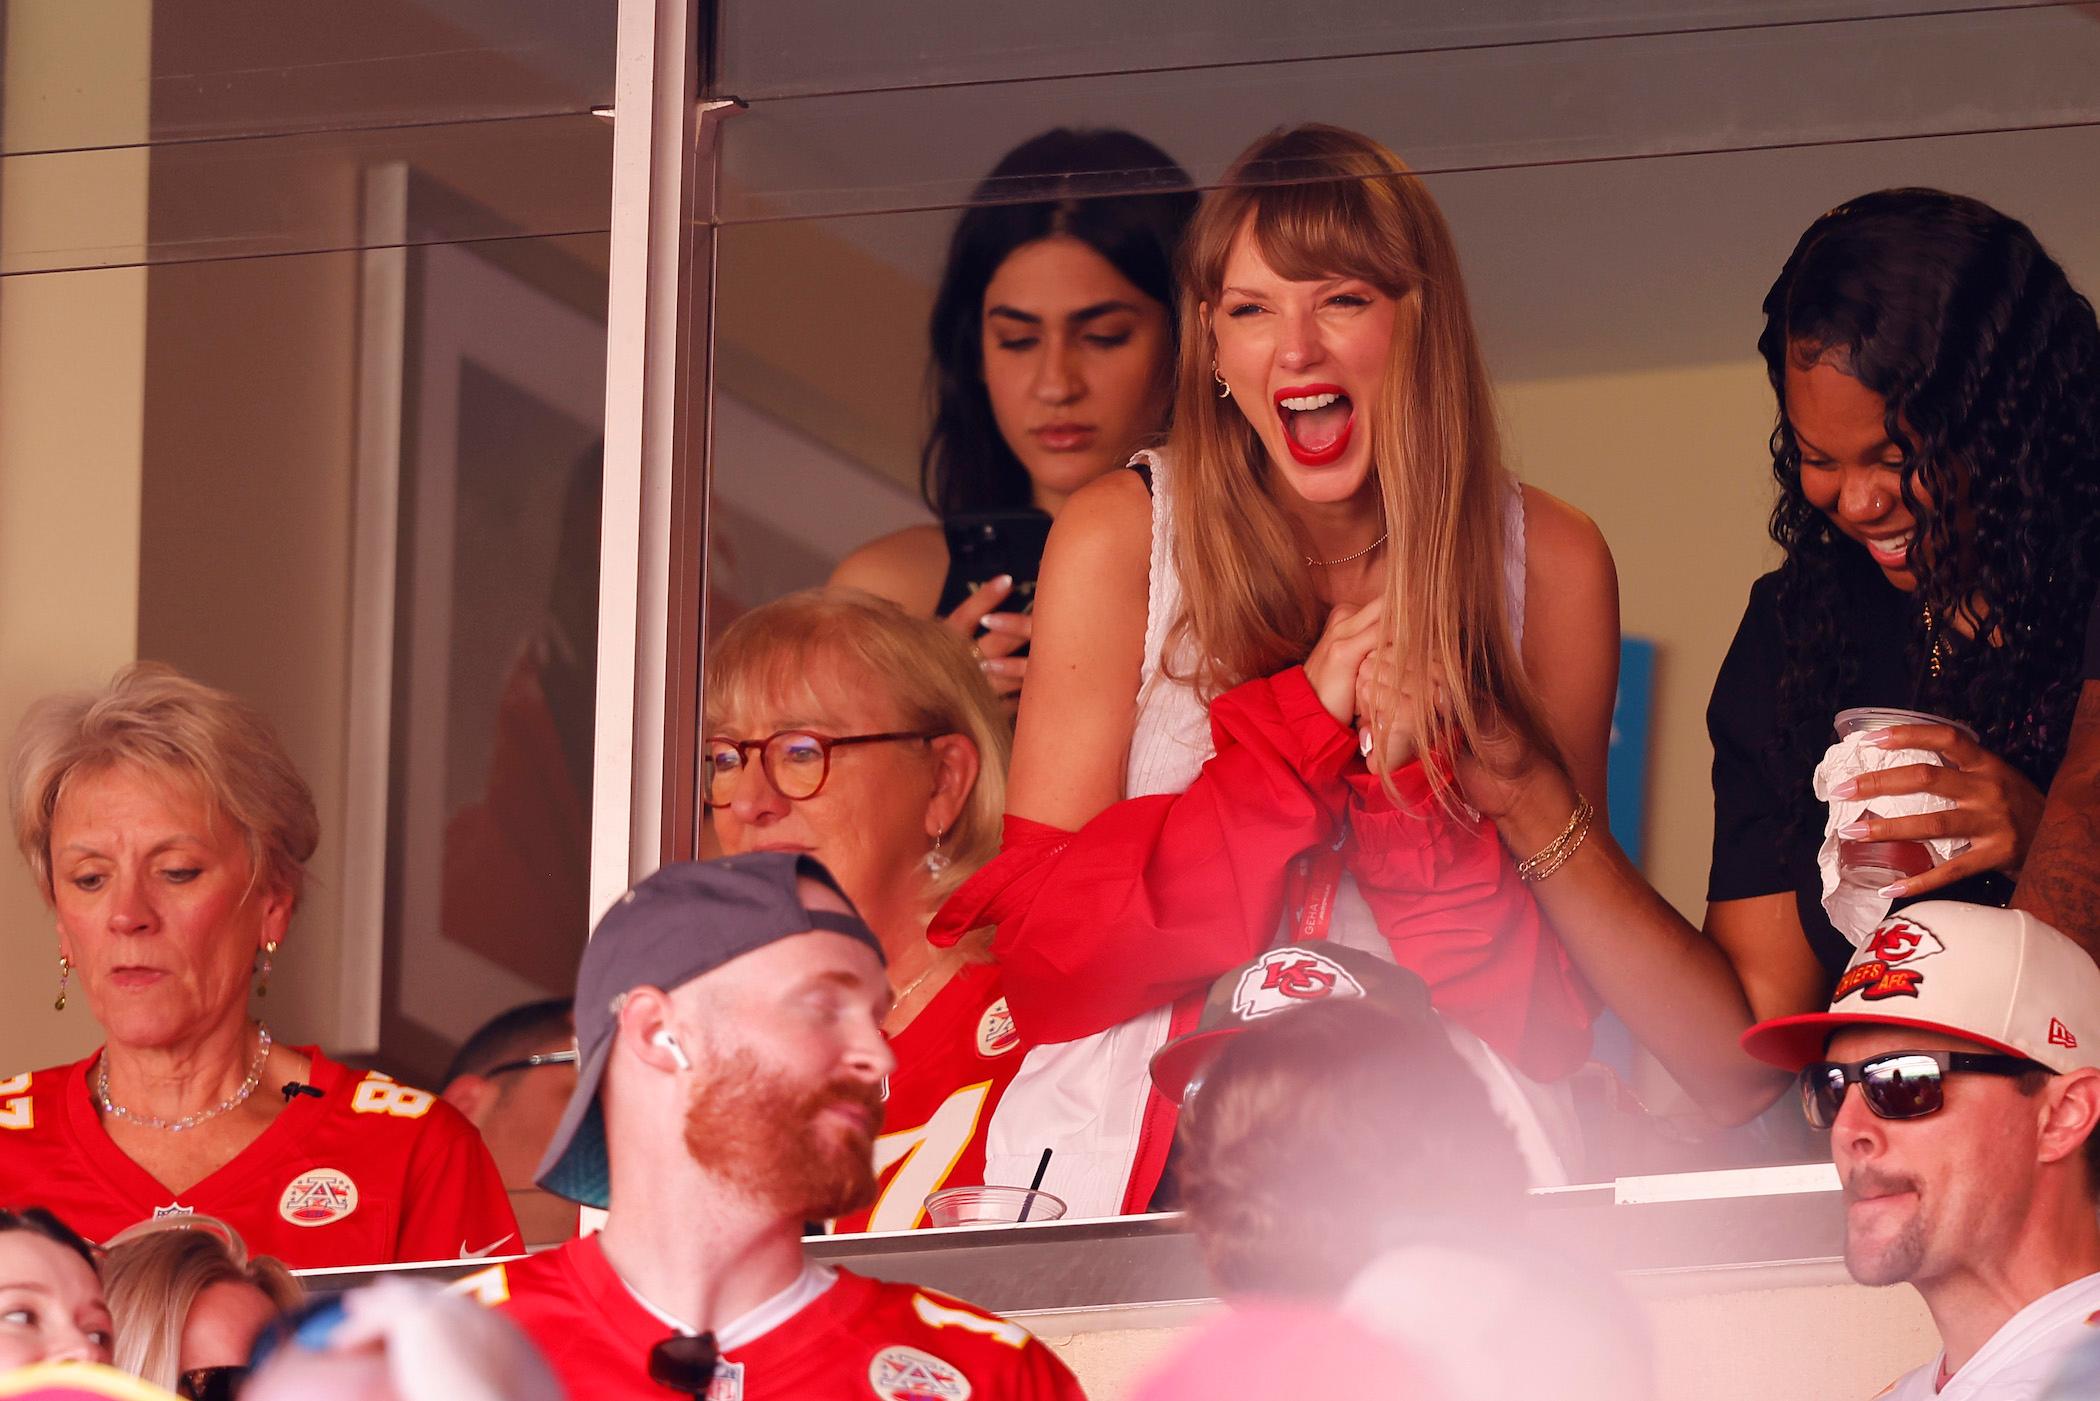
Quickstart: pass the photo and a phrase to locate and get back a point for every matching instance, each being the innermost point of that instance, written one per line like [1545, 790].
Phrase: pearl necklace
[1324, 563]
[188, 1121]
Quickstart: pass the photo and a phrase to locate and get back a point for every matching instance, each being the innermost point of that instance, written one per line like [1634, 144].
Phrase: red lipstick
[1314, 457]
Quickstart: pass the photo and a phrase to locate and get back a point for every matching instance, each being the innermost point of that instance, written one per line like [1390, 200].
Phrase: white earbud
[670, 1043]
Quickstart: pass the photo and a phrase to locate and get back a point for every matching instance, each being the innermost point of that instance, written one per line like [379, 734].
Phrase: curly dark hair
[1054, 183]
[1989, 364]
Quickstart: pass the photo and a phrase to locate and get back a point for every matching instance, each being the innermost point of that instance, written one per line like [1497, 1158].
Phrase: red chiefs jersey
[370, 1172]
[953, 1063]
[833, 1336]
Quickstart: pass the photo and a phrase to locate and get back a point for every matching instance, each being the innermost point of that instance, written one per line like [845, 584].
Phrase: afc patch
[318, 1197]
[1875, 981]
[907, 1374]
[996, 1034]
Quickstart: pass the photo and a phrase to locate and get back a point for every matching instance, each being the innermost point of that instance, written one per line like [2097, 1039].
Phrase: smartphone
[984, 545]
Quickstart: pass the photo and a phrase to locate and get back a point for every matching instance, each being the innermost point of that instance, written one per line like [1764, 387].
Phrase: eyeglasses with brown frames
[795, 762]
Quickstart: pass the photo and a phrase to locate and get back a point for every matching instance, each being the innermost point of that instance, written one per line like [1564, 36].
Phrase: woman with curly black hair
[1938, 459]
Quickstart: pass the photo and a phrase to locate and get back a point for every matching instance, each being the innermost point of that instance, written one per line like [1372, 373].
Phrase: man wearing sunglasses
[512, 1079]
[729, 1015]
[1955, 1071]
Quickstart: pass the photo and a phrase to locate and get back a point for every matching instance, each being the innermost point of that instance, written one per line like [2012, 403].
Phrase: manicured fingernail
[1894, 892]
[1846, 789]
[1853, 831]
[1880, 739]
[1004, 581]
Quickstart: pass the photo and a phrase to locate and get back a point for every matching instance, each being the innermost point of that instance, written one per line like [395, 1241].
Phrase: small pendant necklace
[188, 1121]
[1325, 563]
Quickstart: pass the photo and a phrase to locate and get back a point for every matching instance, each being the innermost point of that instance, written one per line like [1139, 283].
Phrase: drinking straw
[1042, 1166]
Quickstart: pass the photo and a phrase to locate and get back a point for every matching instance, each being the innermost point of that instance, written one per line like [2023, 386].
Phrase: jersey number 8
[381, 1096]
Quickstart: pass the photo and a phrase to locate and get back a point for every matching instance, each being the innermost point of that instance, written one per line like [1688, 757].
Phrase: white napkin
[1856, 911]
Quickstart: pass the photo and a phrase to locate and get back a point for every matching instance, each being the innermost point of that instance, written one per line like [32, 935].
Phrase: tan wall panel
[72, 376]
[1671, 465]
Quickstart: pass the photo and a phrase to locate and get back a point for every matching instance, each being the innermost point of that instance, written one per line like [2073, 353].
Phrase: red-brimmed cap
[2000, 978]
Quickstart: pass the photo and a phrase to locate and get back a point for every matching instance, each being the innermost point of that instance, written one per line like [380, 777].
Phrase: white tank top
[1171, 739]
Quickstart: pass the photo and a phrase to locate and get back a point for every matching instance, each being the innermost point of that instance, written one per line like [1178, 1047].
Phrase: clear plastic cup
[1871, 865]
[1863, 718]
[1877, 865]
[991, 1206]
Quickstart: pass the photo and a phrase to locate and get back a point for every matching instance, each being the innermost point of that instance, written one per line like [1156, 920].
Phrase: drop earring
[1224, 389]
[938, 861]
[65, 974]
[262, 977]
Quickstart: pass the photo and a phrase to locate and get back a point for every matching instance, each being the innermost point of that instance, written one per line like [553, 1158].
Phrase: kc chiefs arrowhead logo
[1887, 971]
[1283, 978]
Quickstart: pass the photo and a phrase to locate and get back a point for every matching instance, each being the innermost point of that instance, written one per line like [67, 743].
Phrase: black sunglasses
[211, 1383]
[568, 1057]
[1899, 1084]
[684, 1362]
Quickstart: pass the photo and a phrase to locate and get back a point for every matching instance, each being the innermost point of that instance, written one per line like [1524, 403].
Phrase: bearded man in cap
[1955, 1071]
[729, 1024]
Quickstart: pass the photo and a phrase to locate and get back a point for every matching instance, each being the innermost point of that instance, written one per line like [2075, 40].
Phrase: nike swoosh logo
[486, 1250]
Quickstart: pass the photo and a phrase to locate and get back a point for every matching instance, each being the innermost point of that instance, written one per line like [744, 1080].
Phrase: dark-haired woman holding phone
[1053, 360]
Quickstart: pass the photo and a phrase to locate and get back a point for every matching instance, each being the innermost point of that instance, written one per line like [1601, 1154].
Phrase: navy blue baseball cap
[686, 920]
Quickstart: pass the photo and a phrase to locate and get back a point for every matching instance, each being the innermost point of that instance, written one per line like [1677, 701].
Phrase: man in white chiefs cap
[1956, 1073]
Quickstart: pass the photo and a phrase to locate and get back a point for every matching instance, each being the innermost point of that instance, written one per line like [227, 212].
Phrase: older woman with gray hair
[168, 831]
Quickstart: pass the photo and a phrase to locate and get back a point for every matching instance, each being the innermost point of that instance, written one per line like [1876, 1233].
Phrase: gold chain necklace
[1325, 563]
[916, 983]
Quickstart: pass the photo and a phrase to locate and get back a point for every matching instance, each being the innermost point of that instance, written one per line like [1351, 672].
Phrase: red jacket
[1156, 896]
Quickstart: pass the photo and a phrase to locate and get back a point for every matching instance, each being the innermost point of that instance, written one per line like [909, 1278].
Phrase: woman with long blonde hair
[1260, 654]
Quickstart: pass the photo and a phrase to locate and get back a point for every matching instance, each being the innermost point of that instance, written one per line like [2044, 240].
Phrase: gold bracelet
[1555, 853]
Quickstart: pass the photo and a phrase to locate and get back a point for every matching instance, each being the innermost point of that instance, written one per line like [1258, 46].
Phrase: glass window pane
[1452, 110]
[227, 68]
[770, 50]
[1618, 306]
[274, 195]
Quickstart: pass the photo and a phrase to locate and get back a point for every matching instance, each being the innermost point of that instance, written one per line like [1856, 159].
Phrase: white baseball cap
[1998, 977]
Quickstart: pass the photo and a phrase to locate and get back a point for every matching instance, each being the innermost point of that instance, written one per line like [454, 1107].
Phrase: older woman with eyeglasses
[169, 833]
[840, 725]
